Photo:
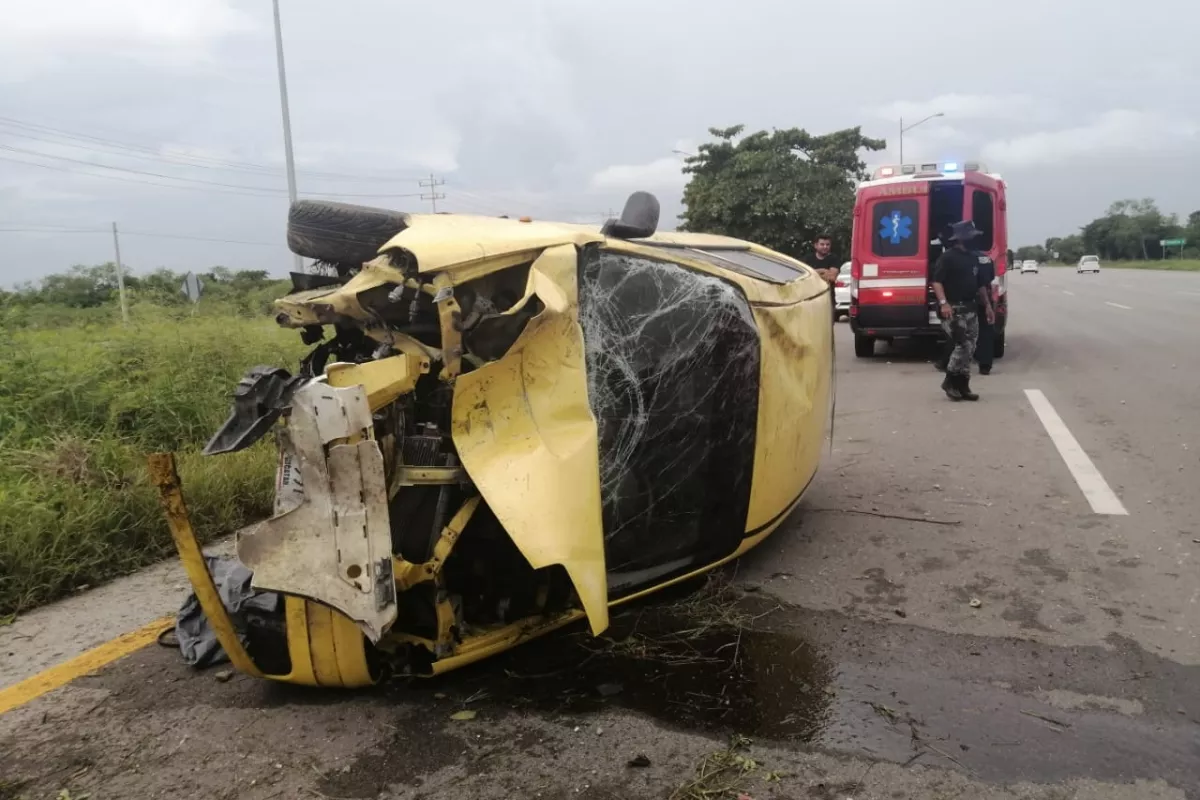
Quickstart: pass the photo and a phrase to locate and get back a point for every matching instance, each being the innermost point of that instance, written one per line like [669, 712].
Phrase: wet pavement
[714, 663]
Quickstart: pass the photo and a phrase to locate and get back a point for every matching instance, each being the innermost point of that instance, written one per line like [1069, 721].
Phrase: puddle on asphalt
[698, 663]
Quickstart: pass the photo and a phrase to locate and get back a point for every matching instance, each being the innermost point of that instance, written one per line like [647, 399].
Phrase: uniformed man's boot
[950, 387]
[964, 388]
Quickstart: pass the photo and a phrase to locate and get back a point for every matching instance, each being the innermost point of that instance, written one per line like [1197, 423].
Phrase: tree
[779, 189]
[1070, 249]
[1131, 229]
[1033, 252]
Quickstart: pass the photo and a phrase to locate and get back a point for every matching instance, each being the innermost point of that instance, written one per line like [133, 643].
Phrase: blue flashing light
[950, 166]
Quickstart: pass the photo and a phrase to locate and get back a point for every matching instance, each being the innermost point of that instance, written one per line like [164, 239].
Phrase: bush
[81, 406]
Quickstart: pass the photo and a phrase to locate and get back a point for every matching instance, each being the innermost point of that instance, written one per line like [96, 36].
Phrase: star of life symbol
[895, 228]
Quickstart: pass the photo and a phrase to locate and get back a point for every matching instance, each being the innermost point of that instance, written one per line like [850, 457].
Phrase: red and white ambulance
[900, 217]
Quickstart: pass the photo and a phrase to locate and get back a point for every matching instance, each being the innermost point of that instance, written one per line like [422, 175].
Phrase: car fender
[526, 434]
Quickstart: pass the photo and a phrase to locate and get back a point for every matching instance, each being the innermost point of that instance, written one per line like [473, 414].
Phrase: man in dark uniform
[958, 282]
[984, 353]
[827, 266]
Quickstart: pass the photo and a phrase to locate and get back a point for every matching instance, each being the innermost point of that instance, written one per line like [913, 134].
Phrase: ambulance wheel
[998, 346]
[864, 346]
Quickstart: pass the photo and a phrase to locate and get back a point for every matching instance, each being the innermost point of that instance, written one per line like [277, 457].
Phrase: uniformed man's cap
[964, 231]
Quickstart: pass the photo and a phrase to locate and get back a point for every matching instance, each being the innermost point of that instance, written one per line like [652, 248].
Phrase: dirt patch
[1040, 559]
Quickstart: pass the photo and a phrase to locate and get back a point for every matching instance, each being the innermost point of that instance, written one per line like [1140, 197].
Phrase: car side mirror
[639, 218]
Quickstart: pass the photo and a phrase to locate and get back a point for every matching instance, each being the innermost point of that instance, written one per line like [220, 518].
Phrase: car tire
[864, 346]
[340, 233]
[998, 346]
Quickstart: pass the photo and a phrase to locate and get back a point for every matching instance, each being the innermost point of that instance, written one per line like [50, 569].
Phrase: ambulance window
[983, 214]
[896, 228]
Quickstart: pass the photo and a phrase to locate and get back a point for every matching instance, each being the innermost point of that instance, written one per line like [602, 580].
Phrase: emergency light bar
[928, 168]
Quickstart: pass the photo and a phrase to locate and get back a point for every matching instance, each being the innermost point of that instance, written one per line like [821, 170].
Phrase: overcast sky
[556, 108]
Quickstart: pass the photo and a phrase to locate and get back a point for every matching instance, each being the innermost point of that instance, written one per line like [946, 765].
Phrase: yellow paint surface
[82, 664]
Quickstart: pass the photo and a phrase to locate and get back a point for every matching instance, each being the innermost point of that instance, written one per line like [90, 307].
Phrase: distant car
[1088, 264]
[841, 293]
[1029, 266]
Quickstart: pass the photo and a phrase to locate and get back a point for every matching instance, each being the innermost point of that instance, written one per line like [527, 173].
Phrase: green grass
[1173, 264]
[82, 405]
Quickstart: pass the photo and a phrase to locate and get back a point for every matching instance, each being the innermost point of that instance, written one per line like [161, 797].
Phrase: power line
[254, 191]
[38, 132]
[131, 180]
[49, 229]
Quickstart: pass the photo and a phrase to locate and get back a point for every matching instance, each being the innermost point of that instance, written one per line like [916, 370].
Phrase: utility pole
[120, 277]
[433, 195]
[287, 120]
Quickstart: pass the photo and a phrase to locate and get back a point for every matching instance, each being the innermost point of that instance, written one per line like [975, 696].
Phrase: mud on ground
[716, 693]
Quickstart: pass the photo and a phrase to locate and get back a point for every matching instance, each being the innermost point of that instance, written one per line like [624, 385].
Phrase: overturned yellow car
[508, 425]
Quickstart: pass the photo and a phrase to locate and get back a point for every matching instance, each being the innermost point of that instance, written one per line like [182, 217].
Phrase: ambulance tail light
[1000, 285]
[854, 288]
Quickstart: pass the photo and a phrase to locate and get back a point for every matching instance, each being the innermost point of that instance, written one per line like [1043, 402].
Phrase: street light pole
[910, 127]
[287, 120]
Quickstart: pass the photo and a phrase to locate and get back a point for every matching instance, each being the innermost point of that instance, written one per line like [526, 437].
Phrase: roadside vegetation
[84, 398]
[1129, 235]
[1170, 264]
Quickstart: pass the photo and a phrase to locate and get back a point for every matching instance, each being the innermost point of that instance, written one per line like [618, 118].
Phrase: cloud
[41, 36]
[964, 107]
[1117, 132]
[666, 172]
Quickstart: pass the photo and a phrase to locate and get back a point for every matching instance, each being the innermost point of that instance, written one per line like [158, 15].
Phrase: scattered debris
[639, 761]
[224, 675]
[884, 711]
[900, 612]
[7, 619]
[465, 715]
[975, 602]
[876, 513]
[720, 774]
[609, 689]
[1056, 724]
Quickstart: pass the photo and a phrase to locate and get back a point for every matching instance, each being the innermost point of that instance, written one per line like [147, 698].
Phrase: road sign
[192, 287]
[1172, 242]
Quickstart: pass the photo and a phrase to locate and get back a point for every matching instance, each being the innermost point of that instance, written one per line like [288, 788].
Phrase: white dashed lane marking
[1100, 497]
[1118, 305]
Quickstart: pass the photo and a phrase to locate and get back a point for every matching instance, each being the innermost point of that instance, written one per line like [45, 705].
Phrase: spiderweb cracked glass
[672, 358]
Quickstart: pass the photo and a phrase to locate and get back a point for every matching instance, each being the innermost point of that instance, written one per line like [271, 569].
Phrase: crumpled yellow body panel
[794, 403]
[525, 432]
[442, 241]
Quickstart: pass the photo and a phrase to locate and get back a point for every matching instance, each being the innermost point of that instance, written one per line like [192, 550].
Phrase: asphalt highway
[976, 600]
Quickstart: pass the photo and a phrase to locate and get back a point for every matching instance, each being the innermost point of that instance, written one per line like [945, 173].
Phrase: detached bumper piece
[324, 647]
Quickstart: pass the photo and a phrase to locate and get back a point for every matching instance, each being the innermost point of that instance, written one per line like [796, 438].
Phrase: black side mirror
[639, 218]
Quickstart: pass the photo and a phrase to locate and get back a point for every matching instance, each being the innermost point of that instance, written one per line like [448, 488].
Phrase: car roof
[441, 241]
[471, 246]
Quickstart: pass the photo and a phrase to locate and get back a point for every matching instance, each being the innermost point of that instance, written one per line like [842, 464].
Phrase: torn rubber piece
[259, 399]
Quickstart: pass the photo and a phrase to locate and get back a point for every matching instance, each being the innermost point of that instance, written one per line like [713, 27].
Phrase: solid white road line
[1091, 482]
[1118, 305]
